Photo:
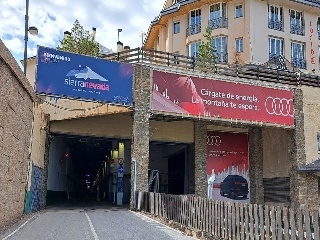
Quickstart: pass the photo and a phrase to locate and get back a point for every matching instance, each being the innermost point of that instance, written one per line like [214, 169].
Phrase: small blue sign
[77, 76]
[120, 184]
[120, 169]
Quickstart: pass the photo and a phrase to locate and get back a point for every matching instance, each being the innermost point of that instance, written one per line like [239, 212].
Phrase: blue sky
[53, 17]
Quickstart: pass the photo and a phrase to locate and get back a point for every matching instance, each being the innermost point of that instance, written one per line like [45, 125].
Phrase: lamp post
[33, 31]
[119, 31]
[142, 38]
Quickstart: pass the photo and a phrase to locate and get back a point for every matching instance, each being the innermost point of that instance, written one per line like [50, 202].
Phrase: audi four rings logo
[213, 140]
[279, 106]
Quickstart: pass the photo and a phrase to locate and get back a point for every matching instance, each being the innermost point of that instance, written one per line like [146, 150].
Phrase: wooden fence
[232, 220]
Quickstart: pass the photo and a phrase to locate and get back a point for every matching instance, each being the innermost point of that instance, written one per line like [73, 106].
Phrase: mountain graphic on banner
[85, 73]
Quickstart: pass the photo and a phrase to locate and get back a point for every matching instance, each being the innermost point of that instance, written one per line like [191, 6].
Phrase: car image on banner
[75, 76]
[227, 166]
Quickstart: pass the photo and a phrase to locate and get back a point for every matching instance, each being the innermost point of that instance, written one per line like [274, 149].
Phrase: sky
[53, 17]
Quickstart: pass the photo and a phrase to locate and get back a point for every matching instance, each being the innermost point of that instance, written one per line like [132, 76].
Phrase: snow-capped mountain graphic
[85, 73]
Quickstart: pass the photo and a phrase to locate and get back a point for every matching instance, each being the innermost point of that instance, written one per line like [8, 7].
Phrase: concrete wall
[16, 100]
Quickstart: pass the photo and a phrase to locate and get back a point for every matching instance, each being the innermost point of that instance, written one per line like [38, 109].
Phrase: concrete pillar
[303, 187]
[191, 167]
[200, 159]
[256, 165]
[140, 134]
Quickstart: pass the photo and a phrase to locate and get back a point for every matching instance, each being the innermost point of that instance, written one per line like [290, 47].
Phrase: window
[275, 17]
[220, 44]
[194, 49]
[218, 16]
[194, 22]
[297, 55]
[275, 47]
[176, 27]
[239, 45]
[296, 22]
[318, 141]
[318, 27]
[239, 11]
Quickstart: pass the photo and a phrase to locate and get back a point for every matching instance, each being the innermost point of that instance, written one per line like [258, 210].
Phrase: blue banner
[77, 76]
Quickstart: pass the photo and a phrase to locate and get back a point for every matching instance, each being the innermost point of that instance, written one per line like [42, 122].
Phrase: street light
[119, 31]
[142, 38]
[33, 31]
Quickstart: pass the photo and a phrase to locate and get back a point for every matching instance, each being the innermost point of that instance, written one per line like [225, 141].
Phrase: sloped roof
[310, 168]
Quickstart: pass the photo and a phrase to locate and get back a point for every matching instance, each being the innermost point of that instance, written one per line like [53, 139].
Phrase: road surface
[97, 224]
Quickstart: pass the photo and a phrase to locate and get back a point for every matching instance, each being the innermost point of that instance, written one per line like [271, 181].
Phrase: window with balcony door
[238, 11]
[296, 22]
[275, 17]
[298, 55]
[218, 16]
[220, 44]
[275, 48]
[194, 49]
[194, 22]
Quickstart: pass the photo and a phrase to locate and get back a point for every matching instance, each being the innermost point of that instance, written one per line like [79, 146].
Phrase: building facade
[243, 31]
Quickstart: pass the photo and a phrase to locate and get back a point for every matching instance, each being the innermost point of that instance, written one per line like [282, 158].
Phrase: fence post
[118, 56]
[193, 63]
[168, 59]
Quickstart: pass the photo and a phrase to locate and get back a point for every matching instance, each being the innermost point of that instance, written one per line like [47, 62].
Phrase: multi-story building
[243, 31]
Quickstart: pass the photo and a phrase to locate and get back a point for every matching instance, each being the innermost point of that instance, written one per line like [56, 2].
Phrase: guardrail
[249, 71]
[232, 220]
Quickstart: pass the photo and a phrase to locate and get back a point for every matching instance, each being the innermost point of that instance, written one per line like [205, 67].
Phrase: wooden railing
[232, 220]
[249, 71]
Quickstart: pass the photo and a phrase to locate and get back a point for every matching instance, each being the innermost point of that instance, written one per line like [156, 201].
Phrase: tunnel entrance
[82, 169]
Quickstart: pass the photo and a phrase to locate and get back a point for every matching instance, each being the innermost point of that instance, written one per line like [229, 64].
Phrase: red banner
[173, 93]
[227, 157]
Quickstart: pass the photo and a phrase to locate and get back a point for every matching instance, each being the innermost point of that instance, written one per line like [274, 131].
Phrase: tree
[80, 41]
[206, 53]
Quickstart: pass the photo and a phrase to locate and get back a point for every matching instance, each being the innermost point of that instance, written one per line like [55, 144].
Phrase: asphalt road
[109, 223]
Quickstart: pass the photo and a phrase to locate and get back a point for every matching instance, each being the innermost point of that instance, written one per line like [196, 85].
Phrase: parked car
[234, 186]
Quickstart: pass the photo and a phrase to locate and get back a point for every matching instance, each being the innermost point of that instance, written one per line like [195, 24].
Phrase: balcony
[221, 57]
[193, 29]
[275, 24]
[299, 63]
[297, 29]
[218, 23]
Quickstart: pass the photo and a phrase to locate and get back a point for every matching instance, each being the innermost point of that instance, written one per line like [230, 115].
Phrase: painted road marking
[92, 228]
[11, 234]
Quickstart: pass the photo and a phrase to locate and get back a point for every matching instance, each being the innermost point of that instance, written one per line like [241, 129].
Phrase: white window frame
[239, 44]
[197, 19]
[196, 46]
[176, 26]
[278, 44]
[222, 11]
[302, 51]
[237, 10]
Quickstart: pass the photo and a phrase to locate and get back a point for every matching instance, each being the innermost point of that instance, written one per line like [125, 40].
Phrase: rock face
[16, 106]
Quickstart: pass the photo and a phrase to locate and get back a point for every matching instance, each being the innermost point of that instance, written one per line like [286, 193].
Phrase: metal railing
[299, 63]
[218, 23]
[193, 29]
[297, 29]
[275, 24]
[266, 72]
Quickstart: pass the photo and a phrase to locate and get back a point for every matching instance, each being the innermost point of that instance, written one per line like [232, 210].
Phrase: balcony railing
[299, 63]
[218, 23]
[275, 24]
[193, 29]
[267, 72]
[221, 57]
[297, 29]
